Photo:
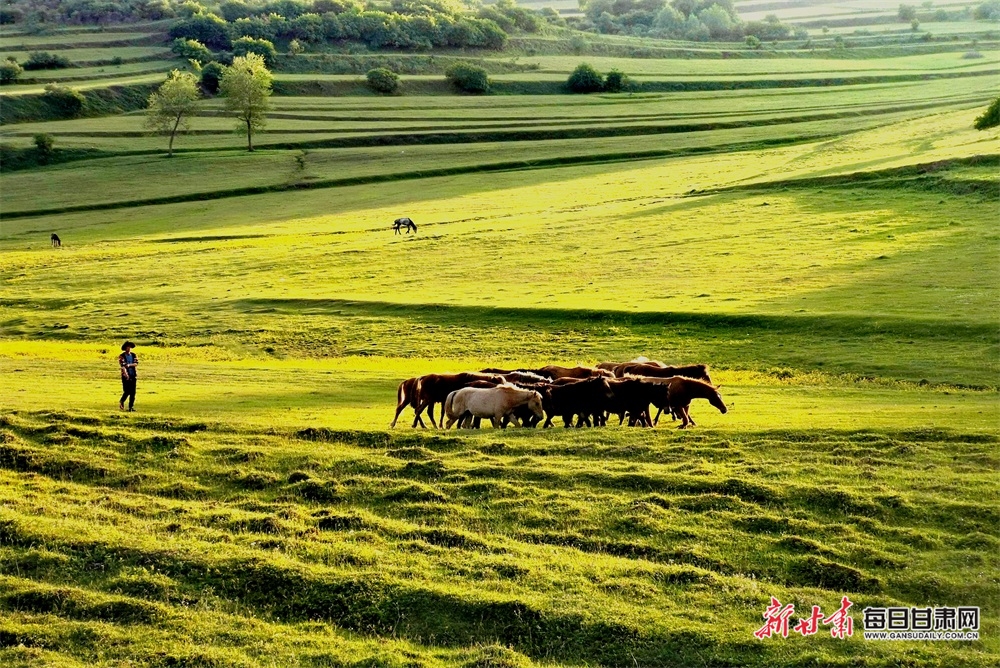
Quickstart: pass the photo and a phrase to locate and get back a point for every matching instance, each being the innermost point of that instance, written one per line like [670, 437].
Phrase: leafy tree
[295, 47]
[718, 21]
[987, 11]
[43, 147]
[171, 106]
[907, 13]
[191, 49]
[915, 25]
[246, 85]
[989, 118]
[753, 41]
[262, 47]
[382, 80]
[209, 29]
[585, 79]
[578, 43]
[211, 74]
[469, 78]
[10, 71]
[10, 15]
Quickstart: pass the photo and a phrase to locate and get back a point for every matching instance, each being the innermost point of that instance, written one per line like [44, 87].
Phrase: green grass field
[829, 249]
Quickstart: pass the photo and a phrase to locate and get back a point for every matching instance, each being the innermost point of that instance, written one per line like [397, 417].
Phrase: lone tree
[990, 118]
[171, 106]
[246, 85]
[585, 79]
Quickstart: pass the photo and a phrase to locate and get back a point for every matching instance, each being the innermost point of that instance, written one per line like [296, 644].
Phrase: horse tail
[448, 404]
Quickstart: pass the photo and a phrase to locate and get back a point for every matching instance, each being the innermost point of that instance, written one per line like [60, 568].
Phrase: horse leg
[399, 409]
[656, 420]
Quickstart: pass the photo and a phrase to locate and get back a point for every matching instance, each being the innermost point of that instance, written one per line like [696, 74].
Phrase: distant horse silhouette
[56, 241]
[404, 223]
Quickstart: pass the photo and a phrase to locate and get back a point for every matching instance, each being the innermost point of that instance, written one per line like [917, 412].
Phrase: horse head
[715, 399]
[535, 404]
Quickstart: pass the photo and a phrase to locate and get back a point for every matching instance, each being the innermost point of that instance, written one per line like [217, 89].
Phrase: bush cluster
[585, 79]
[696, 20]
[382, 80]
[469, 78]
[42, 60]
[65, 102]
[10, 71]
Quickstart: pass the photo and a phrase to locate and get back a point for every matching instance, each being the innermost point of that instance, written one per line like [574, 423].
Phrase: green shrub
[10, 71]
[43, 147]
[191, 49]
[262, 47]
[10, 15]
[585, 79]
[65, 102]
[989, 118]
[42, 60]
[753, 41]
[209, 29]
[617, 82]
[469, 78]
[211, 74]
[382, 80]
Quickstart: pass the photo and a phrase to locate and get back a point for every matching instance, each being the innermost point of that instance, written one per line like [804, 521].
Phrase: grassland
[830, 248]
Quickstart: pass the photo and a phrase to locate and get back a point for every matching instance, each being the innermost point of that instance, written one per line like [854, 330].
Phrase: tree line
[403, 24]
[693, 20]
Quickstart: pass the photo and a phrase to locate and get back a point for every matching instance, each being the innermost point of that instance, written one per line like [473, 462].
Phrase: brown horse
[681, 391]
[613, 366]
[434, 388]
[555, 372]
[406, 395]
[697, 371]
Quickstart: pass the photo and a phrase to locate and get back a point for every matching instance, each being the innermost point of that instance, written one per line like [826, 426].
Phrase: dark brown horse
[613, 366]
[406, 395]
[434, 388]
[697, 371]
[681, 391]
[555, 372]
[404, 224]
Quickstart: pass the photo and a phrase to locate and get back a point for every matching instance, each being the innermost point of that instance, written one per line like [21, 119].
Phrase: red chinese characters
[776, 618]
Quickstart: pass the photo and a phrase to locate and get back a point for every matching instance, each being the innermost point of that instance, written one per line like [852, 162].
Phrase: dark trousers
[128, 390]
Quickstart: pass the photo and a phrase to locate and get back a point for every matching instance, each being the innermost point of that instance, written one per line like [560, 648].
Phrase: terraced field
[820, 230]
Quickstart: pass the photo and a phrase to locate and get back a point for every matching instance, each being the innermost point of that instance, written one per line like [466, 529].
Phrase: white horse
[495, 403]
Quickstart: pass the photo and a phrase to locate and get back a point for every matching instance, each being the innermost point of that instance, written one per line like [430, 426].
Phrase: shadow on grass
[534, 318]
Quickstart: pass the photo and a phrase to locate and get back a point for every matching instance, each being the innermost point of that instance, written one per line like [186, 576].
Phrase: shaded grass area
[167, 534]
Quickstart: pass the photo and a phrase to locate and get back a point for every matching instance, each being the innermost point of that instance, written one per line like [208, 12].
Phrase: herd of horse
[579, 395]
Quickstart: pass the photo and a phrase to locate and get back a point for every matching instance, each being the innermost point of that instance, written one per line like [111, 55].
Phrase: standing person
[128, 362]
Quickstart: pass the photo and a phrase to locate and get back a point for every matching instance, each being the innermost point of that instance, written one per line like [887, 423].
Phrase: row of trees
[245, 86]
[407, 25]
[695, 20]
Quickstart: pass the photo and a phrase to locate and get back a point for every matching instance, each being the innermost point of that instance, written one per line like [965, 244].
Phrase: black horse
[404, 223]
[56, 241]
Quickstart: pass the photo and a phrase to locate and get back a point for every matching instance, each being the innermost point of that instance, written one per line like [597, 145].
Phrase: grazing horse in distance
[404, 223]
[56, 241]
[681, 391]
